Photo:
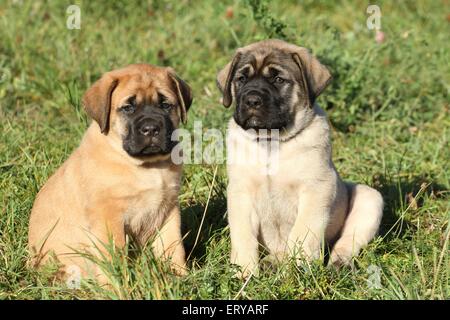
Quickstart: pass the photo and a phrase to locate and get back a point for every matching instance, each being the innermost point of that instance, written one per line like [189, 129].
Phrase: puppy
[304, 203]
[121, 180]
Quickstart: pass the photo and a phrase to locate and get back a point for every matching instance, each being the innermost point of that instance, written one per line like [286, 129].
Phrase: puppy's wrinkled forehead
[266, 62]
[145, 85]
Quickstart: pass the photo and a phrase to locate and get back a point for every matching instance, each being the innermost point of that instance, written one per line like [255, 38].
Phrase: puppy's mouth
[254, 122]
[257, 122]
[152, 149]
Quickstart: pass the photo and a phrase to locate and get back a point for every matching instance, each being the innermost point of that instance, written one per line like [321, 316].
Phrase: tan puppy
[303, 202]
[121, 180]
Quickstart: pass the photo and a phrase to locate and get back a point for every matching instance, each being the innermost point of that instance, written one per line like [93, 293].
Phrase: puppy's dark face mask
[270, 82]
[264, 91]
[140, 106]
[149, 126]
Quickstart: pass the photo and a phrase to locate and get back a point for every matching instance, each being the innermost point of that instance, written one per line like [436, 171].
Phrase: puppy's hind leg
[361, 224]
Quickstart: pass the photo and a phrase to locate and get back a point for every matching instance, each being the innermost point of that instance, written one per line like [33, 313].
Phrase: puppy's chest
[147, 208]
[276, 205]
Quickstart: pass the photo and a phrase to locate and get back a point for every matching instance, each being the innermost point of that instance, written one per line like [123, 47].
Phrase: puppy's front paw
[245, 273]
[341, 258]
[303, 252]
[178, 270]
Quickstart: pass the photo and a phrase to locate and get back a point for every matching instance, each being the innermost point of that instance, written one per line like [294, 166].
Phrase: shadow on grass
[398, 197]
[215, 221]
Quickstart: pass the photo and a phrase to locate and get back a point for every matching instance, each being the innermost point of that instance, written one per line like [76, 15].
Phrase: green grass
[388, 103]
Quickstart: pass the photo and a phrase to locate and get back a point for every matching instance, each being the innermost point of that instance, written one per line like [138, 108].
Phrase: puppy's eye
[166, 105]
[128, 108]
[279, 80]
[241, 78]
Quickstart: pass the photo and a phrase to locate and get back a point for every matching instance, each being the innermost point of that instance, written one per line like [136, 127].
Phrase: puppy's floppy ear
[97, 100]
[316, 75]
[184, 94]
[225, 77]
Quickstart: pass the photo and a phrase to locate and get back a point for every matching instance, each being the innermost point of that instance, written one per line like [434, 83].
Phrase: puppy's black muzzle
[149, 135]
[253, 100]
[254, 107]
[259, 107]
[149, 127]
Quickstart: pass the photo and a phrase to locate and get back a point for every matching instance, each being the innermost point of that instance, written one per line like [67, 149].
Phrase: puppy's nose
[149, 129]
[253, 101]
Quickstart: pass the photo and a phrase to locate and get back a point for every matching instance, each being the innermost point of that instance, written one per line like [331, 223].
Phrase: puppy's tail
[361, 225]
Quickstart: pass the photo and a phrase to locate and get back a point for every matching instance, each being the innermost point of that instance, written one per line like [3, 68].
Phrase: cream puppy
[291, 200]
